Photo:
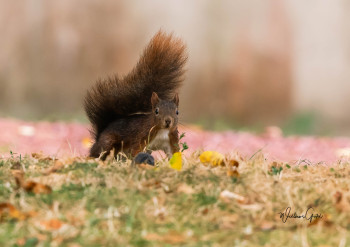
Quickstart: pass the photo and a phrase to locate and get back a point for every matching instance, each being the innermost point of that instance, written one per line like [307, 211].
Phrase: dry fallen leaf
[325, 221]
[74, 245]
[57, 166]
[52, 224]
[31, 186]
[338, 197]
[232, 173]
[21, 241]
[267, 225]
[146, 166]
[229, 221]
[228, 195]
[184, 188]
[152, 183]
[7, 209]
[205, 211]
[16, 165]
[166, 187]
[251, 207]
[232, 167]
[314, 222]
[233, 163]
[41, 157]
[169, 238]
[37, 188]
[342, 202]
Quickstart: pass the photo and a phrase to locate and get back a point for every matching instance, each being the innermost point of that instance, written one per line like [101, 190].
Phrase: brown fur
[112, 105]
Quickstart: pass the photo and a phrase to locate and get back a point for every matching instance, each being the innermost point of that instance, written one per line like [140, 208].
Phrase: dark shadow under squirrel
[140, 111]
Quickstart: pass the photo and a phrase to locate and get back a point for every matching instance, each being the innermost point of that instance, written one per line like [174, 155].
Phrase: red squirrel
[140, 110]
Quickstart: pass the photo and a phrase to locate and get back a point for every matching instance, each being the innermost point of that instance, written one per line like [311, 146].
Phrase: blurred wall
[322, 58]
[249, 61]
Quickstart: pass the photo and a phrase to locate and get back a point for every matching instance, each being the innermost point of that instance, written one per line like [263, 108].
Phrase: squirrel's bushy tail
[160, 70]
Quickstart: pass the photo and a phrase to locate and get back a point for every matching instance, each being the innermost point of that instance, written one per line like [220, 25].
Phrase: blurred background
[251, 63]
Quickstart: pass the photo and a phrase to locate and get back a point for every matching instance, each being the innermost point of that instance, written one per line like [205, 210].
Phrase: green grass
[112, 204]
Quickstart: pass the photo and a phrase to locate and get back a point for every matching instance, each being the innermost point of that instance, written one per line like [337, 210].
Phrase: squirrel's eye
[177, 112]
[157, 111]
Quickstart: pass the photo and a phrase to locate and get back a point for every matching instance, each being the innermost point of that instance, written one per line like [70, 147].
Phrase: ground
[268, 191]
[72, 139]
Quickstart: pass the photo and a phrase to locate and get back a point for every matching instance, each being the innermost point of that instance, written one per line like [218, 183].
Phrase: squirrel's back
[159, 70]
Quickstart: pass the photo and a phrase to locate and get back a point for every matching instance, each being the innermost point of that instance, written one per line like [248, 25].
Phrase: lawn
[91, 203]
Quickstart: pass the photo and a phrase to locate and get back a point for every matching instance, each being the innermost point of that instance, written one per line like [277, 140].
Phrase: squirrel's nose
[167, 122]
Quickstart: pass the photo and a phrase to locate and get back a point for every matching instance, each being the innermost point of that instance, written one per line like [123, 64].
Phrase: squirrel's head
[165, 112]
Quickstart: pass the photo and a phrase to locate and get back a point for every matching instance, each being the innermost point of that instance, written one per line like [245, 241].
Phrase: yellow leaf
[176, 161]
[213, 158]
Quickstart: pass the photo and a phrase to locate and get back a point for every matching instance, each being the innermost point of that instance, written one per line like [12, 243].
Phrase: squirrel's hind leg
[105, 143]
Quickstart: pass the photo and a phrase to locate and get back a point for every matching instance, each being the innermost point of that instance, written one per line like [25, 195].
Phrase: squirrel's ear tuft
[176, 99]
[154, 99]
